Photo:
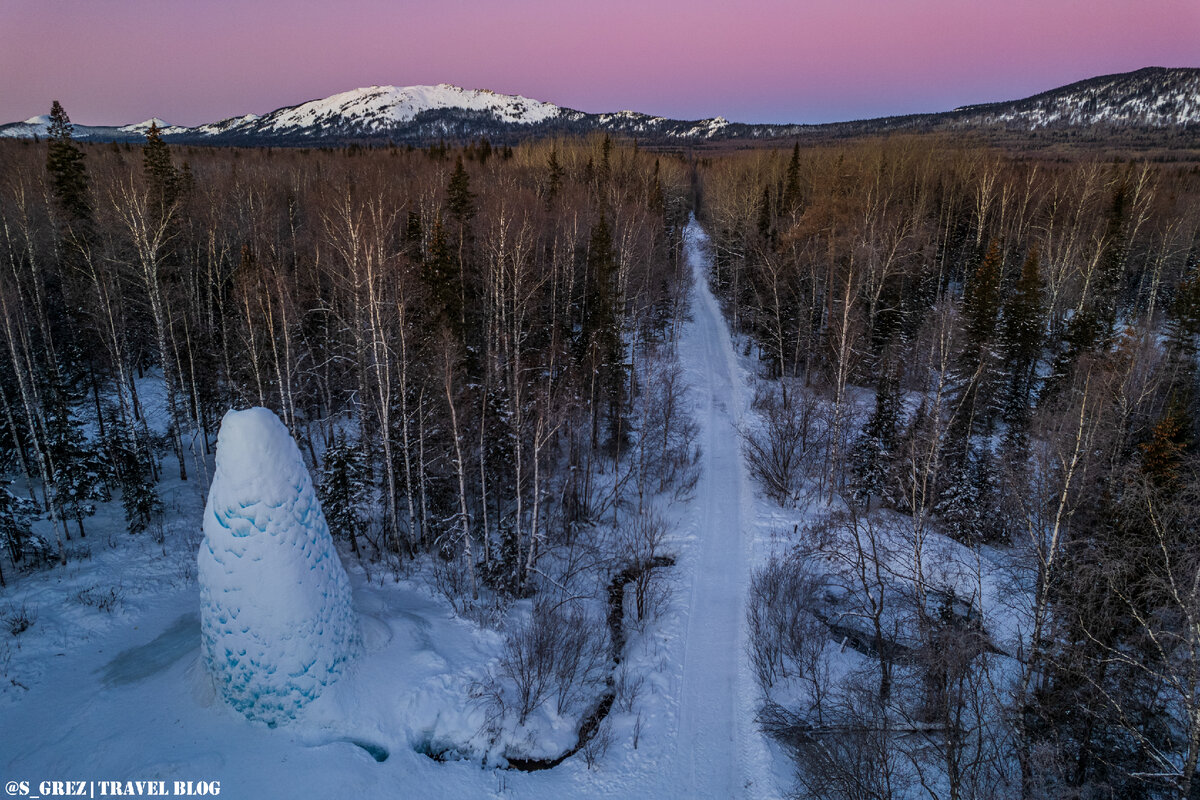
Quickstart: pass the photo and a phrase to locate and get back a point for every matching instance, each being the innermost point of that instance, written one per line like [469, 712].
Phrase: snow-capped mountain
[39, 127]
[1151, 97]
[382, 111]
[164, 128]
[424, 113]
[1154, 100]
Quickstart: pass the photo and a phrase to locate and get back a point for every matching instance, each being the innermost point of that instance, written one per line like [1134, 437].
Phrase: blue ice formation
[276, 618]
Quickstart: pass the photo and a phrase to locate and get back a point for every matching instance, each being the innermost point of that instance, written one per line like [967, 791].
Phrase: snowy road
[719, 751]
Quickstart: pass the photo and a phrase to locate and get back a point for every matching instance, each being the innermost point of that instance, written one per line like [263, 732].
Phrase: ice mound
[276, 621]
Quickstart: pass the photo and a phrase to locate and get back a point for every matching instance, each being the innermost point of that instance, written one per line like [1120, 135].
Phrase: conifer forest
[962, 386]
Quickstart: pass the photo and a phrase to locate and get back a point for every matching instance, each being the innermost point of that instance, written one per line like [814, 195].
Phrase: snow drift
[277, 624]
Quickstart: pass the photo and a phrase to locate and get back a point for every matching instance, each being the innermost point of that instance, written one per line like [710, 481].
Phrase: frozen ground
[120, 693]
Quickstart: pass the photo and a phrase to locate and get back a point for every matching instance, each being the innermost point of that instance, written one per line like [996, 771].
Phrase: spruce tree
[875, 450]
[1093, 322]
[600, 325]
[460, 201]
[1182, 329]
[1083, 331]
[413, 236]
[981, 305]
[1021, 338]
[162, 180]
[966, 496]
[1114, 249]
[764, 215]
[68, 173]
[1163, 454]
[16, 524]
[657, 201]
[498, 461]
[601, 329]
[981, 310]
[604, 171]
[554, 183]
[344, 490]
[185, 184]
[790, 200]
[134, 468]
[441, 278]
[78, 467]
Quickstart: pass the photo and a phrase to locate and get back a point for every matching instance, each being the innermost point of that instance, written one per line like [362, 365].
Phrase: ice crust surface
[276, 617]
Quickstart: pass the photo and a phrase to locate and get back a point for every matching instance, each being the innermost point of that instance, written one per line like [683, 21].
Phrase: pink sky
[194, 61]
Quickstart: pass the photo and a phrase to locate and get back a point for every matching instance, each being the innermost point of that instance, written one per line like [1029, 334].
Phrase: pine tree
[68, 173]
[344, 490]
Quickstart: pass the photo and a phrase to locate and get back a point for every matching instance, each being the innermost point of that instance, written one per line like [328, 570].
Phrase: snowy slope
[1151, 97]
[225, 125]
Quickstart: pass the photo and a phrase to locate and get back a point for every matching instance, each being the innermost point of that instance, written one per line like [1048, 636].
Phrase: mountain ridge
[1149, 99]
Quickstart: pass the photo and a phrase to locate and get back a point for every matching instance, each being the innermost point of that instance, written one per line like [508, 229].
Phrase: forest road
[720, 753]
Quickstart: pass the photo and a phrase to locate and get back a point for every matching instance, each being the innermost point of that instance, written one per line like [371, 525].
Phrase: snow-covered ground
[108, 682]
[721, 753]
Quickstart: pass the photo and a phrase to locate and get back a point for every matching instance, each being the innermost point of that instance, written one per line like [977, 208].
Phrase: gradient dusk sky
[195, 61]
